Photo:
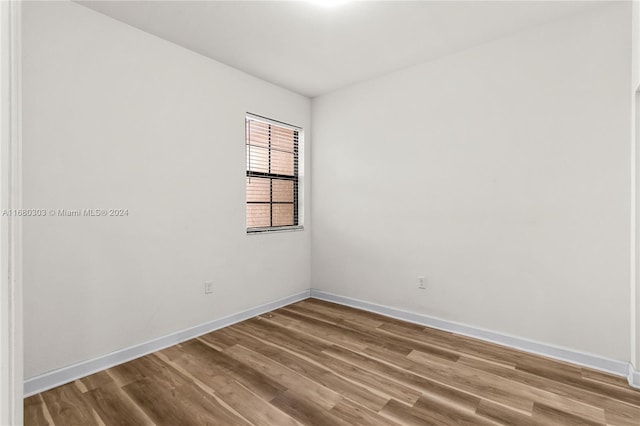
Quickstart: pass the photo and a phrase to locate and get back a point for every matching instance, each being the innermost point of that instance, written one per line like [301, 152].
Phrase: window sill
[274, 229]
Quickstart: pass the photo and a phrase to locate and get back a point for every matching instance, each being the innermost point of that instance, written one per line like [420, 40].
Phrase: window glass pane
[282, 214]
[258, 133]
[258, 215]
[271, 151]
[283, 190]
[258, 159]
[258, 189]
[282, 139]
[282, 163]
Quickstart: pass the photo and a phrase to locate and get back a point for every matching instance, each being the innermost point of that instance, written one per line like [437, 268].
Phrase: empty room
[320, 213]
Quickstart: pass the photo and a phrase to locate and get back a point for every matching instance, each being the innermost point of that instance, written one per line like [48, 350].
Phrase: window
[272, 150]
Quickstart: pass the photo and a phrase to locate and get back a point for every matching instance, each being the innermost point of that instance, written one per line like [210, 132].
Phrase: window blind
[272, 174]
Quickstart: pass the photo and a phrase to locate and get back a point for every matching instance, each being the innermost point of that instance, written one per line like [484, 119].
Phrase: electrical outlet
[208, 287]
[421, 283]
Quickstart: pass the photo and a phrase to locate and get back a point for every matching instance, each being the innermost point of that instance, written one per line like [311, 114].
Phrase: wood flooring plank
[218, 340]
[550, 368]
[205, 406]
[255, 409]
[399, 413]
[396, 343]
[220, 363]
[35, 411]
[422, 372]
[502, 390]
[452, 342]
[621, 418]
[482, 364]
[158, 403]
[236, 397]
[306, 411]
[291, 380]
[114, 407]
[173, 352]
[308, 346]
[320, 363]
[284, 336]
[184, 405]
[503, 415]
[613, 407]
[357, 334]
[448, 375]
[145, 367]
[441, 413]
[572, 375]
[449, 395]
[355, 414]
[99, 379]
[588, 374]
[327, 331]
[277, 318]
[411, 384]
[545, 415]
[373, 380]
[351, 372]
[359, 314]
[67, 406]
[199, 359]
[310, 313]
[314, 371]
[358, 317]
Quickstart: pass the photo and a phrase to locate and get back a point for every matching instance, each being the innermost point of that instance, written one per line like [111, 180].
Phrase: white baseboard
[619, 368]
[73, 372]
[633, 377]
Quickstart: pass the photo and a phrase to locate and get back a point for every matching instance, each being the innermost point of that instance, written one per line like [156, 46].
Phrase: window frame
[295, 178]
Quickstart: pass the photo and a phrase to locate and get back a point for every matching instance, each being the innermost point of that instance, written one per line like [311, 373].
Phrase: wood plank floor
[318, 363]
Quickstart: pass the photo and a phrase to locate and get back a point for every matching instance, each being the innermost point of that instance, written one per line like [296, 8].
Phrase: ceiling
[313, 50]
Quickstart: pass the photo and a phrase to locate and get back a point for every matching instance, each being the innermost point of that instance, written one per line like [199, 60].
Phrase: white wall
[500, 173]
[636, 43]
[117, 118]
[635, 128]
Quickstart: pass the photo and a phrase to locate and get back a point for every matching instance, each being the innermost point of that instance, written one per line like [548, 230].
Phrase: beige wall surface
[117, 118]
[500, 173]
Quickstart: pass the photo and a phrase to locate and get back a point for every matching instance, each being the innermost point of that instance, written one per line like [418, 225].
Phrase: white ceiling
[313, 50]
